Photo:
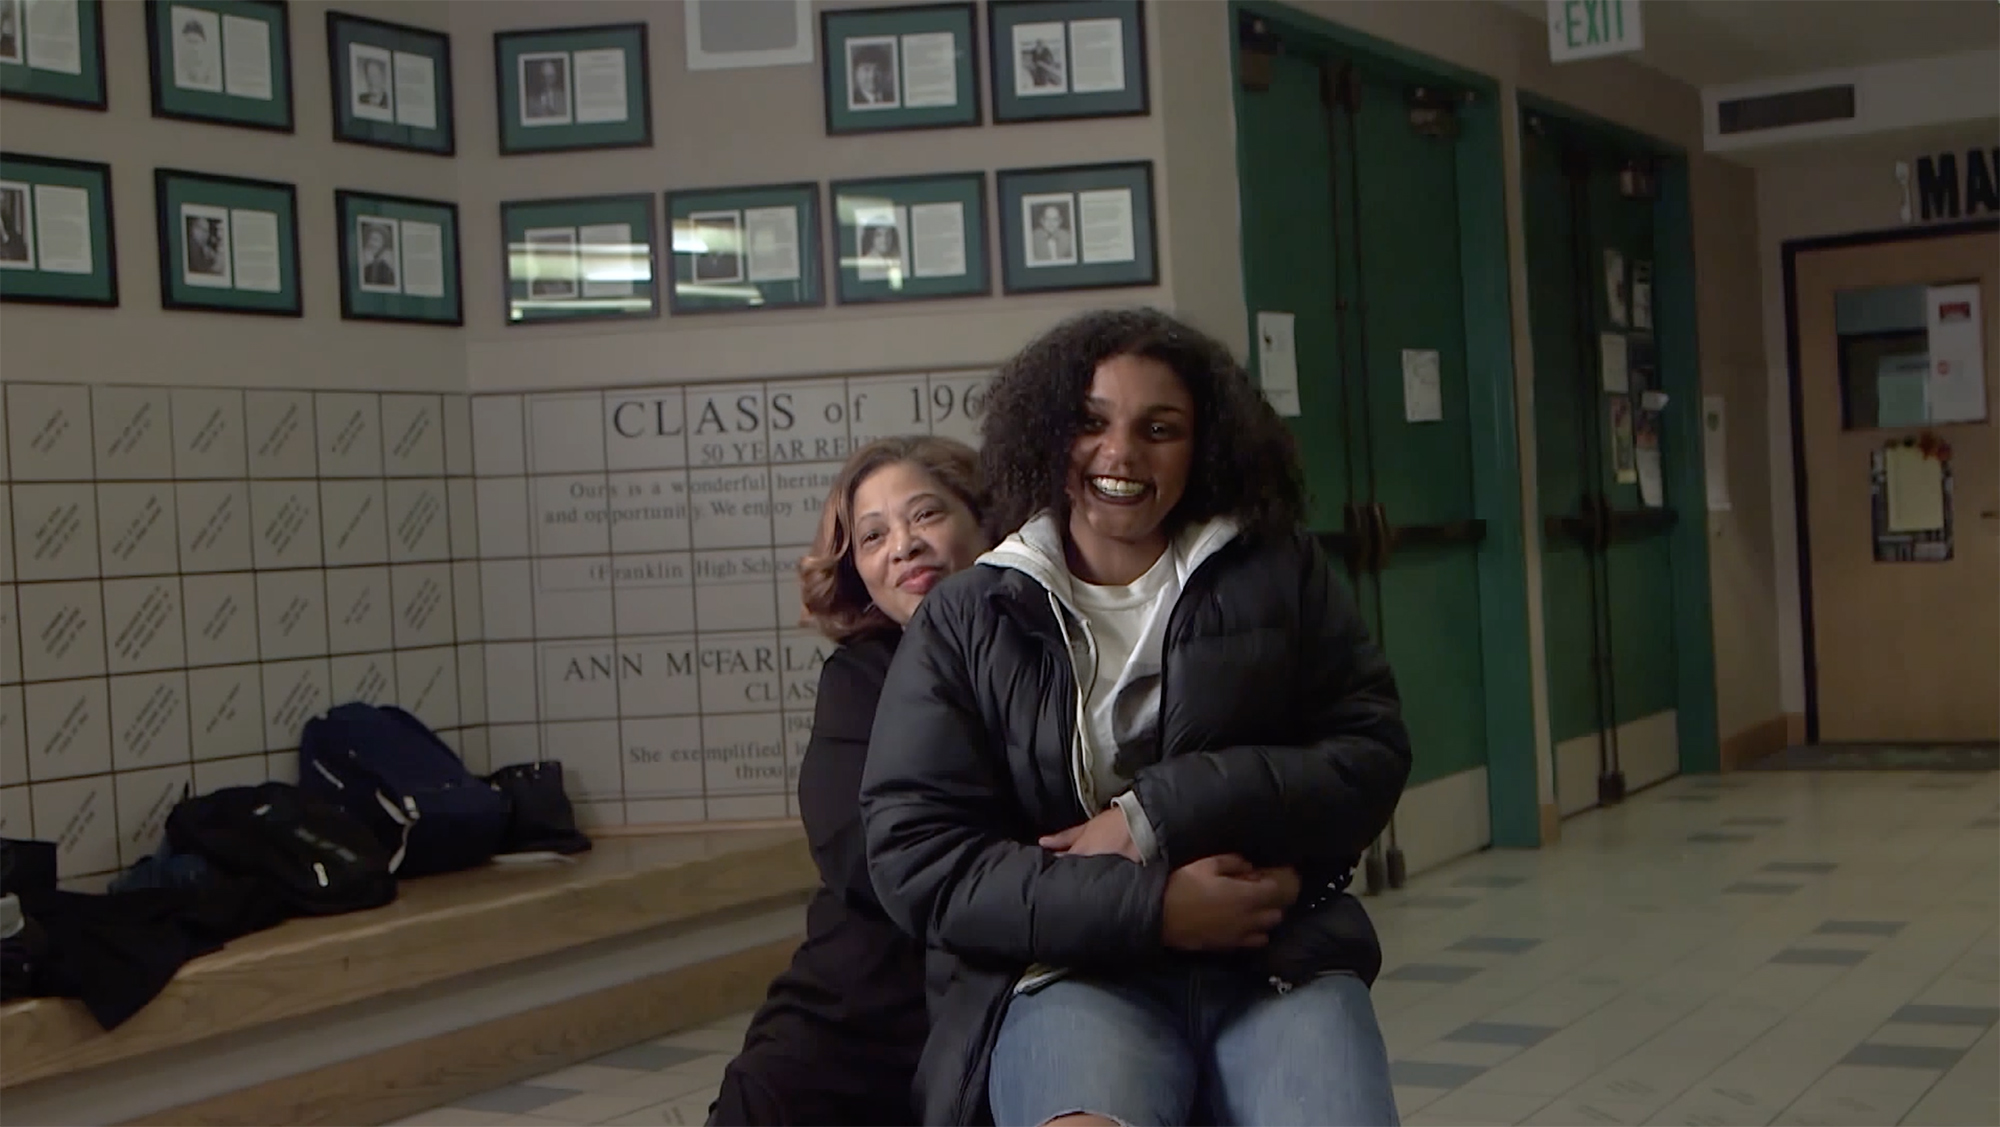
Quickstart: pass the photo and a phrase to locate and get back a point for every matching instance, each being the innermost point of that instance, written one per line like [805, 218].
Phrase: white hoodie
[1117, 642]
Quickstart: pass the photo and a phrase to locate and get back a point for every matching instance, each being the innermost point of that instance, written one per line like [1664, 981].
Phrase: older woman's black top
[838, 1036]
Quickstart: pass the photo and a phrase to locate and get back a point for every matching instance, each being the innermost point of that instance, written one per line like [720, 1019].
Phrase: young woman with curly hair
[1122, 771]
[837, 1039]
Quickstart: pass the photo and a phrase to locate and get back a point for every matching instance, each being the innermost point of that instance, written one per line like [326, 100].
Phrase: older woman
[837, 1039]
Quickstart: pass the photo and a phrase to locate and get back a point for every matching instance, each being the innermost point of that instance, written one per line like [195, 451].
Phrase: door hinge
[1433, 111]
[1256, 50]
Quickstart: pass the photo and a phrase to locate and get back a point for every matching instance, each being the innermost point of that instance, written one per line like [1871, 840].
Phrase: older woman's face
[909, 533]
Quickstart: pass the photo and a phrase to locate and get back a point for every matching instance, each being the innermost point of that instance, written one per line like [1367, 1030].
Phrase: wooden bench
[468, 981]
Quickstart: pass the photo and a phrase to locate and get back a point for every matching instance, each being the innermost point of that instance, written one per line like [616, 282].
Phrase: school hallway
[1754, 948]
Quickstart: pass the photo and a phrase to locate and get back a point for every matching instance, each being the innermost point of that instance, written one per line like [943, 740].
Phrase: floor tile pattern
[1804, 949]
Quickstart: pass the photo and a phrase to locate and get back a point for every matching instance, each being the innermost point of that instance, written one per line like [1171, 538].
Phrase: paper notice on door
[1617, 376]
[1278, 361]
[1957, 391]
[1715, 453]
[1423, 393]
[1652, 486]
[1624, 442]
[1614, 287]
[1915, 487]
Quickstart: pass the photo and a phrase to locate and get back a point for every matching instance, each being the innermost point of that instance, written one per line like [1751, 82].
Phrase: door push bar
[1367, 539]
[1597, 524]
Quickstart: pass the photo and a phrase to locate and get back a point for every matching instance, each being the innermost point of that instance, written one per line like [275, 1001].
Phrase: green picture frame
[391, 85]
[227, 244]
[868, 57]
[572, 89]
[39, 197]
[730, 249]
[399, 259]
[567, 260]
[1066, 59]
[209, 63]
[1079, 227]
[62, 65]
[876, 228]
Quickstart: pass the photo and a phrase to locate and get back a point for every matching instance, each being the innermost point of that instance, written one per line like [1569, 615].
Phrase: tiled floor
[1754, 949]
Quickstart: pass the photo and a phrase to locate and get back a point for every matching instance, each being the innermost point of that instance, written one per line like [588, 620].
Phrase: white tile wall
[188, 574]
[638, 556]
[605, 577]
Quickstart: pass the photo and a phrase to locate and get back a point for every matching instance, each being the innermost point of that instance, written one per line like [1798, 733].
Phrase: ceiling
[1714, 42]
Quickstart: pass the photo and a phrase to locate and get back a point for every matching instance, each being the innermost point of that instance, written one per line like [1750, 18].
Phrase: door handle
[1384, 536]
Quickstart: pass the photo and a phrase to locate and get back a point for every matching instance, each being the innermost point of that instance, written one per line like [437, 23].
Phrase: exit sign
[1589, 29]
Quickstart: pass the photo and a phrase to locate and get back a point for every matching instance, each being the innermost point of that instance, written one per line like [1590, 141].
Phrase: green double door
[1608, 591]
[1350, 224]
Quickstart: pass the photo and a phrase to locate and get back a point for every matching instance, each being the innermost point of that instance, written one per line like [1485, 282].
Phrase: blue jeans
[1163, 1046]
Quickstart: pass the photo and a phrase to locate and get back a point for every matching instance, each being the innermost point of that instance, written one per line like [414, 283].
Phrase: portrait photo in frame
[57, 242]
[53, 53]
[224, 62]
[392, 85]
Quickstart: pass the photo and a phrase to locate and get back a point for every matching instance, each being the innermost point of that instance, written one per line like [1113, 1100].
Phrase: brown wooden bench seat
[492, 974]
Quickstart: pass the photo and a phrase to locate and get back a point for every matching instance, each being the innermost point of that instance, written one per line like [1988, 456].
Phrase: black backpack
[395, 776]
[309, 854]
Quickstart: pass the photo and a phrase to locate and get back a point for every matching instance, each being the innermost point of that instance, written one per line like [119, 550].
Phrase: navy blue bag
[399, 779]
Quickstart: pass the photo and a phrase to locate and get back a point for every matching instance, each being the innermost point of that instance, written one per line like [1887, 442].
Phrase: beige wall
[1827, 190]
[1194, 41]
[723, 128]
[138, 342]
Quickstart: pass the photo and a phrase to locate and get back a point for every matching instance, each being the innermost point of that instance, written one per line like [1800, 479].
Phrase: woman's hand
[1224, 903]
[1105, 833]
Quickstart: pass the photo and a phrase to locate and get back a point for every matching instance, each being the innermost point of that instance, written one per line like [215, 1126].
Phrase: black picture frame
[837, 27]
[1013, 186]
[343, 29]
[576, 211]
[83, 91]
[1133, 99]
[808, 292]
[65, 289]
[357, 304]
[167, 182]
[966, 188]
[218, 107]
[515, 138]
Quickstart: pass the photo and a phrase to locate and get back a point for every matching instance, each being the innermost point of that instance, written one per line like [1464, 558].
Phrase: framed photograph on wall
[745, 248]
[567, 89]
[227, 244]
[900, 68]
[399, 259]
[391, 84]
[1056, 59]
[53, 53]
[910, 238]
[227, 62]
[581, 259]
[56, 241]
[1077, 228]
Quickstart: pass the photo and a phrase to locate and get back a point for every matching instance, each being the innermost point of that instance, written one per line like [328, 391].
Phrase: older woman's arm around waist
[1309, 806]
[944, 827]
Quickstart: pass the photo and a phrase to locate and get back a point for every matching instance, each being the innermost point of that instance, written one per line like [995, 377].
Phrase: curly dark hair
[1246, 464]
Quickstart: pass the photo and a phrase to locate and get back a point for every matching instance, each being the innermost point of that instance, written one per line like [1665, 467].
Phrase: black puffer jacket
[1281, 738]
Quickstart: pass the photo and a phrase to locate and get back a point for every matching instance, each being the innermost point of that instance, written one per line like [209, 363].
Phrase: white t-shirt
[1128, 627]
